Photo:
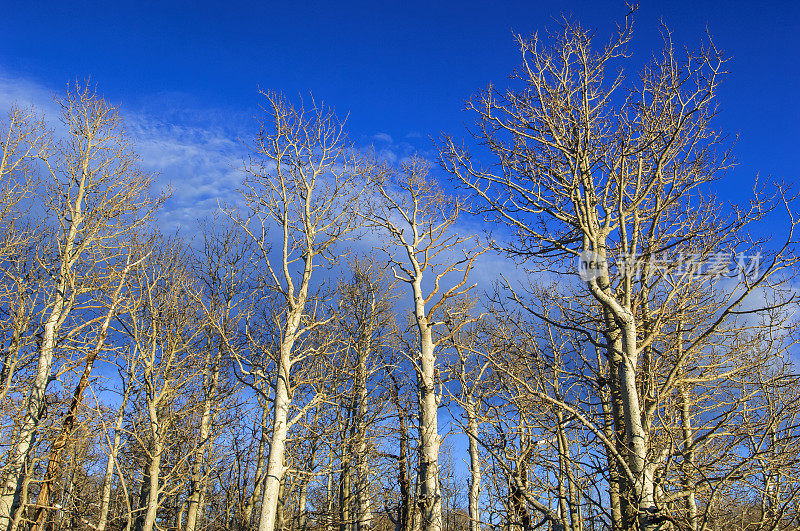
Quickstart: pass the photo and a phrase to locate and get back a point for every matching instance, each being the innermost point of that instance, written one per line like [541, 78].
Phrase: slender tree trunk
[197, 480]
[280, 514]
[33, 411]
[623, 491]
[345, 497]
[277, 449]
[406, 509]
[363, 495]
[108, 476]
[637, 437]
[259, 476]
[156, 449]
[430, 493]
[144, 494]
[66, 501]
[20, 509]
[687, 470]
[302, 513]
[613, 472]
[105, 490]
[474, 464]
[153, 473]
[329, 495]
[566, 464]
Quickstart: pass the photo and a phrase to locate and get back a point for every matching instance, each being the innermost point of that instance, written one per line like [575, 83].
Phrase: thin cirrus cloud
[197, 155]
[192, 153]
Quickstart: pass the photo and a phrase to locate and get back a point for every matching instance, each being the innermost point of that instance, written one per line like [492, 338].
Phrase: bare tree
[224, 270]
[53, 472]
[417, 219]
[163, 327]
[304, 181]
[95, 194]
[471, 369]
[624, 185]
[364, 318]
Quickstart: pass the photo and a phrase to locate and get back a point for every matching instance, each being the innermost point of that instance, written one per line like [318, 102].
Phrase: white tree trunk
[154, 468]
[474, 465]
[636, 434]
[108, 477]
[277, 449]
[198, 484]
[430, 492]
[34, 408]
[363, 495]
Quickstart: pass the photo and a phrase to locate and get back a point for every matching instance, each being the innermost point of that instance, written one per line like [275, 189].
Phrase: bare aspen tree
[24, 140]
[403, 517]
[364, 316]
[418, 220]
[163, 328]
[303, 182]
[114, 446]
[95, 194]
[53, 472]
[471, 370]
[224, 272]
[584, 174]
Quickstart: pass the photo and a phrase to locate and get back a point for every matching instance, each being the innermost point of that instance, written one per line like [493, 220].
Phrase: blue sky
[186, 73]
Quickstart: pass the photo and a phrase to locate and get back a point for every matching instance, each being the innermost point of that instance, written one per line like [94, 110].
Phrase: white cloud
[383, 137]
[200, 162]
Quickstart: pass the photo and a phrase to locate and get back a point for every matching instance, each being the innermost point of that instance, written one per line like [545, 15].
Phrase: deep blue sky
[400, 68]
[186, 73]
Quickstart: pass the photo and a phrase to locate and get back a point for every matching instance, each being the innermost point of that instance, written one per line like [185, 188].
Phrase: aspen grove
[338, 350]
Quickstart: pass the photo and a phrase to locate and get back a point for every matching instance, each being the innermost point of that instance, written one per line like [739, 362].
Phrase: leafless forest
[322, 354]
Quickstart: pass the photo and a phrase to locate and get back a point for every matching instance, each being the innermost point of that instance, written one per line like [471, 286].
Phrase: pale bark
[474, 464]
[417, 221]
[308, 185]
[345, 496]
[259, 474]
[277, 450]
[108, 476]
[363, 494]
[155, 452]
[329, 497]
[211, 381]
[35, 401]
[53, 472]
[96, 159]
[430, 491]
[302, 511]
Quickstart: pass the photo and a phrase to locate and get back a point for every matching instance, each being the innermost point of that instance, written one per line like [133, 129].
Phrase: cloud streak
[199, 162]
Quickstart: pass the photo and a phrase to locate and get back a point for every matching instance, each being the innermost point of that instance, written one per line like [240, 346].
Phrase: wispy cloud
[201, 166]
[196, 153]
[193, 153]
